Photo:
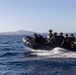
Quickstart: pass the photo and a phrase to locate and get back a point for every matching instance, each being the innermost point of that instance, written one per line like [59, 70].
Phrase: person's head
[55, 33]
[72, 35]
[35, 34]
[66, 35]
[61, 34]
[50, 31]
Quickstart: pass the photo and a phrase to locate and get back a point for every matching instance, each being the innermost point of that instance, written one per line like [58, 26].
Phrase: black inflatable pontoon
[28, 41]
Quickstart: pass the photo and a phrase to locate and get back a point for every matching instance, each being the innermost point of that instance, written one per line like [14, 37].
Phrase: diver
[36, 38]
[55, 39]
[61, 39]
[41, 40]
[49, 36]
[72, 40]
[66, 42]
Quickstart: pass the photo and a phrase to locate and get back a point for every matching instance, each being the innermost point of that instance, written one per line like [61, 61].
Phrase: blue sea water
[17, 59]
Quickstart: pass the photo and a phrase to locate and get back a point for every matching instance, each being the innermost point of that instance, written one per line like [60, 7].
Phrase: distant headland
[20, 32]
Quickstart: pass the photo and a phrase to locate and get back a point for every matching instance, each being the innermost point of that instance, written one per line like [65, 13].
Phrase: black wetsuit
[55, 40]
[36, 39]
[72, 39]
[41, 39]
[67, 43]
[60, 39]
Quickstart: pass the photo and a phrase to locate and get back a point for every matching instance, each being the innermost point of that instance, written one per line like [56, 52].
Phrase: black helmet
[66, 34]
[55, 33]
[50, 30]
[35, 34]
[61, 33]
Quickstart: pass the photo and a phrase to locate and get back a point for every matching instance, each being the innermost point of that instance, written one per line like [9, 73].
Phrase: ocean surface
[17, 59]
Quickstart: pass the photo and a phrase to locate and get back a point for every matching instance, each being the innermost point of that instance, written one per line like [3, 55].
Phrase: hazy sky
[38, 15]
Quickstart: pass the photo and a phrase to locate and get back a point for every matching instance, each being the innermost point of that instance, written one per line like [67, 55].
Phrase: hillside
[20, 32]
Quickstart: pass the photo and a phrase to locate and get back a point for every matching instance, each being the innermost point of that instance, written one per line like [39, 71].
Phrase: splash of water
[56, 52]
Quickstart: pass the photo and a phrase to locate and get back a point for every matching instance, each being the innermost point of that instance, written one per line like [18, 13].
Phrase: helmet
[50, 30]
[35, 34]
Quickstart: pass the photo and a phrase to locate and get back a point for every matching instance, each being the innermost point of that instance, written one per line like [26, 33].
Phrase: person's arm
[62, 43]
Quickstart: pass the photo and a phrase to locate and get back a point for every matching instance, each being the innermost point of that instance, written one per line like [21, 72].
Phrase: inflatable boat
[28, 41]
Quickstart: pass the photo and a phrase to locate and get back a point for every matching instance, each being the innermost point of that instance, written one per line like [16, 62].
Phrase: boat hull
[34, 45]
[37, 46]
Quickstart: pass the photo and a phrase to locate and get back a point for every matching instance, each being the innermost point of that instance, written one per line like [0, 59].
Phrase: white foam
[56, 52]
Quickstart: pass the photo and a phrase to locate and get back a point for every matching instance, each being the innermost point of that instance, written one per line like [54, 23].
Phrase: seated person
[49, 36]
[35, 37]
[72, 40]
[39, 39]
[66, 42]
[61, 39]
[54, 39]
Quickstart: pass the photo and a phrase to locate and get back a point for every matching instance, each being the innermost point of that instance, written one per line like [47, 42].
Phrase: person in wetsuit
[36, 38]
[72, 40]
[55, 39]
[49, 36]
[66, 43]
[41, 40]
[61, 39]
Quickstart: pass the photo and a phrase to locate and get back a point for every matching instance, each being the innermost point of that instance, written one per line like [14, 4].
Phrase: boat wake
[55, 53]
